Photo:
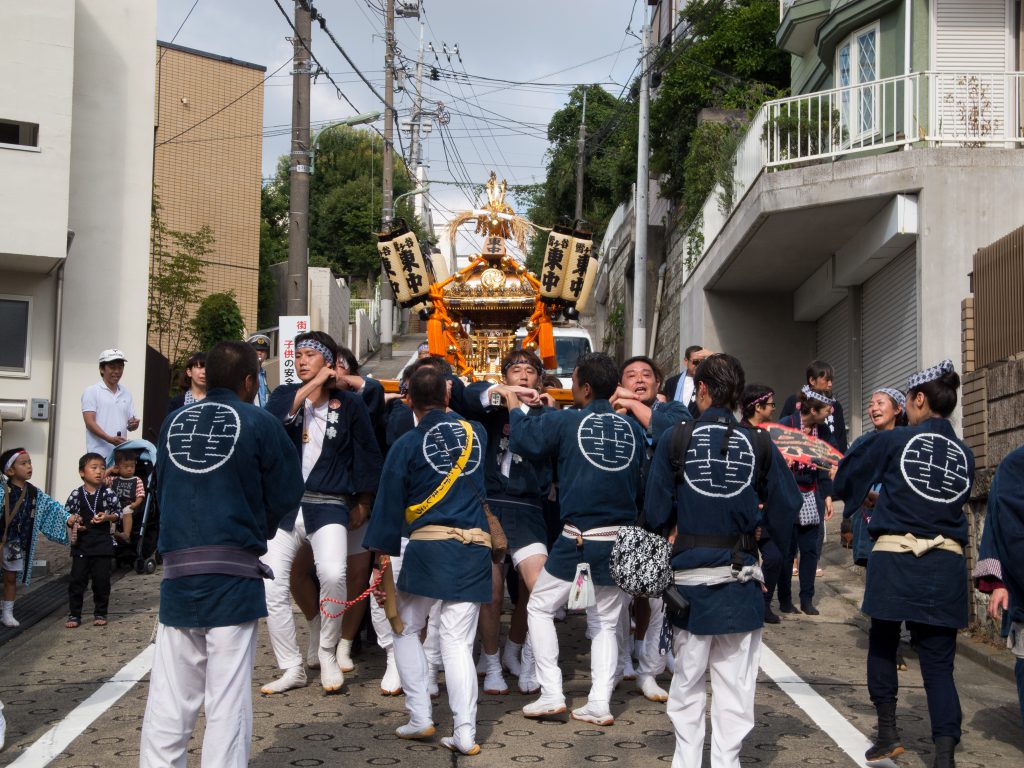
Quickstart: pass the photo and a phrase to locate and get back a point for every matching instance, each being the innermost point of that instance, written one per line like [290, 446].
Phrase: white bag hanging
[581, 593]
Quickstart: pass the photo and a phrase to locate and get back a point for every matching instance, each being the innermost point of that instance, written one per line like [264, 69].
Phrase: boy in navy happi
[92, 506]
[431, 491]
[711, 501]
[600, 456]
[516, 488]
[228, 476]
[331, 432]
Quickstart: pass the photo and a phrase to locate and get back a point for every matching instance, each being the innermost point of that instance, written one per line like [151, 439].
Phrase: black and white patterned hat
[813, 394]
[930, 374]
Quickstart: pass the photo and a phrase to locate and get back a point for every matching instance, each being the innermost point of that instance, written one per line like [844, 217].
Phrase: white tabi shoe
[528, 683]
[593, 712]
[344, 655]
[293, 677]
[494, 682]
[463, 746]
[510, 657]
[313, 648]
[544, 707]
[411, 731]
[391, 683]
[331, 676]
[8, 619]
[649, 687]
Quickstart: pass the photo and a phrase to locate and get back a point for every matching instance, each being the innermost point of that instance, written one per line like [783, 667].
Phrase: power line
[178, 31]
[226, 106]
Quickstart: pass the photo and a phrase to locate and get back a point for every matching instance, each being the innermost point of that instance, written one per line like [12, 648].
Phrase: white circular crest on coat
[443, 445]
[935, 467]
[607, 441]
[202, 437]
[710, 473]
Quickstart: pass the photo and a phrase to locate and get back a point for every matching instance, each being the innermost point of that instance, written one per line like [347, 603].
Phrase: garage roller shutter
[833, 345]
[889, 326]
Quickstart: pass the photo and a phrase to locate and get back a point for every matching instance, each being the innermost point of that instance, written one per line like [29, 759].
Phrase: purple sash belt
[220, 560]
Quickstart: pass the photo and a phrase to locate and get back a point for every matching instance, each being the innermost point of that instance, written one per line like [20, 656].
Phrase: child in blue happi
[27, 512]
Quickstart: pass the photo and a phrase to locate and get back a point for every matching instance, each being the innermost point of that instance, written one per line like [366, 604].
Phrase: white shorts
[528, 551]
[17, 565]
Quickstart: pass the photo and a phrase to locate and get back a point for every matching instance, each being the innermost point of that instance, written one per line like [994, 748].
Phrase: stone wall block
[1006, 413]
[1005, 379]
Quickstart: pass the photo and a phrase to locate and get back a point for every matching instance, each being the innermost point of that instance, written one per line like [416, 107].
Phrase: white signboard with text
[289, 326]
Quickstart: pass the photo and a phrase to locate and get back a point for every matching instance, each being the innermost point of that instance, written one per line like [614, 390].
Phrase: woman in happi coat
[915, 570]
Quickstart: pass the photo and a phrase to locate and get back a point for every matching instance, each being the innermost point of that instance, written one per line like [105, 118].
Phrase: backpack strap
[681, 436]
[763, 447]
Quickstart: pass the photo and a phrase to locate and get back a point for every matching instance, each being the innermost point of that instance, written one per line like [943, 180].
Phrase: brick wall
[207, 164]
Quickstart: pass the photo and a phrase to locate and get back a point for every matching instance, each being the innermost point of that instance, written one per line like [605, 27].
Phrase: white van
[570, 343]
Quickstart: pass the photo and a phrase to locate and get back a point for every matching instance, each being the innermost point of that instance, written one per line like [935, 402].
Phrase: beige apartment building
[207, 161]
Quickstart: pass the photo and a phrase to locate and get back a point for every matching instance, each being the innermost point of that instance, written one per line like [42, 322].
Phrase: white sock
[293, 677]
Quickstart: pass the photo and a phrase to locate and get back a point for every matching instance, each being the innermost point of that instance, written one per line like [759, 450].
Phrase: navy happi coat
[415, 465]
[719, 498]
[601, 457]
[926, 474]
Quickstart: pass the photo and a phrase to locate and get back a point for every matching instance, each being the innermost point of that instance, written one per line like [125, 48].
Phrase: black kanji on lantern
[550, 280]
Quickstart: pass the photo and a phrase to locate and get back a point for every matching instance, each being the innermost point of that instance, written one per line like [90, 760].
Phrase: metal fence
[998, 283]
[959, 109]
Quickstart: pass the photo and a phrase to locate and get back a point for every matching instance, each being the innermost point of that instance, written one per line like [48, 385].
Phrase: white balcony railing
[964, 109]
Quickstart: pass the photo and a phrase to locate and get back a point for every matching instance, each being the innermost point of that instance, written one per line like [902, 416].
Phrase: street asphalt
[47, 672]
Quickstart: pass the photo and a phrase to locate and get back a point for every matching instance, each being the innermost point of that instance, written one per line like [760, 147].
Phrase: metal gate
[889, 326]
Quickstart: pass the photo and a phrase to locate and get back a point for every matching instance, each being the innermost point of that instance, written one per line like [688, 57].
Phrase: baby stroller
[140, 550]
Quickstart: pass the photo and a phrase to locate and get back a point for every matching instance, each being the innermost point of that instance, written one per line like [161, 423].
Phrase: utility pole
[639, 335]
[297, 288]
[581, 157]
[416, 127]
[387, 296]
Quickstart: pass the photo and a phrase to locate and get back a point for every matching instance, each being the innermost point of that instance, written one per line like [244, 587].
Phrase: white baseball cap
[110, 355]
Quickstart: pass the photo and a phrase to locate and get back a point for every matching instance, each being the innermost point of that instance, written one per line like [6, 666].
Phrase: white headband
[815, 395]
[14, 458]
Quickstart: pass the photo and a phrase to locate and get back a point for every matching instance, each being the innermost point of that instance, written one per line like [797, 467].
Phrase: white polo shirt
[112, 409]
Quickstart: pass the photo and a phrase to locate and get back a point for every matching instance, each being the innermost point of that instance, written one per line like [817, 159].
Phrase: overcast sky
[493, 125]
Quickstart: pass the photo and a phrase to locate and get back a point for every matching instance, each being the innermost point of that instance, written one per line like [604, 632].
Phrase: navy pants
[771, 565]
[86, 568]
[805, 541]
[1019, 670]
[936, 651]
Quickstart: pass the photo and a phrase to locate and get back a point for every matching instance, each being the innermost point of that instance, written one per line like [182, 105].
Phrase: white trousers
[193, 668]
[378, 618]
[733, 660]
[551, 593]
[457, 629]
[650, 661]
[330, 553]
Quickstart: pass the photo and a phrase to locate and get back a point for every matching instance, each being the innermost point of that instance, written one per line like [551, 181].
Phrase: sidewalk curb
[996, 660]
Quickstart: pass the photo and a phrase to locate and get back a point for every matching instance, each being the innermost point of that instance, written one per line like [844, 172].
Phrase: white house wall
[36, 57]
[967, 199]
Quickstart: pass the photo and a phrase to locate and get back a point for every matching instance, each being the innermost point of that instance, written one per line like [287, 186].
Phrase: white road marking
[52, 744]
[825, 716]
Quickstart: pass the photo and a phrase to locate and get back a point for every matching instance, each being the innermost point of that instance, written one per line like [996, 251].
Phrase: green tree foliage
[610, 163]
[709, 162]
[727, 59]
[177, 260]
[218, 318]
[273, 247]
[345, 209]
